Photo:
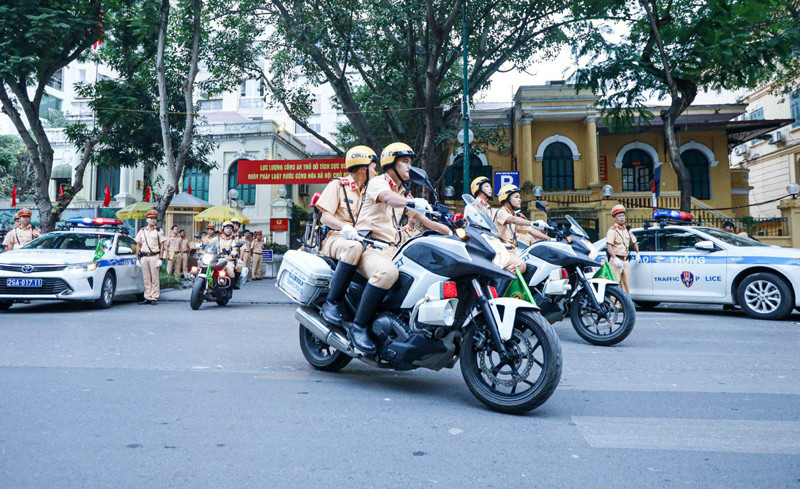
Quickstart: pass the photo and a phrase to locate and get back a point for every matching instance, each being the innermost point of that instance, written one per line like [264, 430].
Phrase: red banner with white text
[271, 172]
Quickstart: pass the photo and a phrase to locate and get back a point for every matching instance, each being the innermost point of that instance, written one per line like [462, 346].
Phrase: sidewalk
[259, 292]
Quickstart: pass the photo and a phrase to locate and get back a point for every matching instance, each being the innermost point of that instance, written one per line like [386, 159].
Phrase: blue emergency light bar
[94, 222]
[671, 215]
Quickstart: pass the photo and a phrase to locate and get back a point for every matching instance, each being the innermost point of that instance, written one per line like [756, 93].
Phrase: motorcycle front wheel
[320, 355]
[603, 331]
[522, 383]
[198, 291]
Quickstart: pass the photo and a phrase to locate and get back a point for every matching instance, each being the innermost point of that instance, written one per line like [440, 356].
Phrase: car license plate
[23, 282]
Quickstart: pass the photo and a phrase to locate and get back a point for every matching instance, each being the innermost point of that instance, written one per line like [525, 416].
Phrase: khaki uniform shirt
[174, 243]
[205, 239]
[506, 231]
[619, 240]
[226, 245]
[149, 240]
[338, 194]
[257, 246]
[18, 237]
[378, 217]
[184, 245]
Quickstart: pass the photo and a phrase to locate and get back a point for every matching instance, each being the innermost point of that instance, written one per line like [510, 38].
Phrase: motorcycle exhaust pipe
[314, 323]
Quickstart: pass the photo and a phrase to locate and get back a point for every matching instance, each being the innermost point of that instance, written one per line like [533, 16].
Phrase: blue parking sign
[503, 178]
[267, 256]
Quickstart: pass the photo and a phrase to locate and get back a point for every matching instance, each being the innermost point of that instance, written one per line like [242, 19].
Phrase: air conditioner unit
[776, 137]
[302, 189]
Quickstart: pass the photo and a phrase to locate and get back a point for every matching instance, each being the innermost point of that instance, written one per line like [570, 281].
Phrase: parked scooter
[210, 281]
[442, 310]
[600, 311]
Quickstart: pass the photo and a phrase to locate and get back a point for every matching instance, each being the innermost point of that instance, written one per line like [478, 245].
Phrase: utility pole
[465, 101]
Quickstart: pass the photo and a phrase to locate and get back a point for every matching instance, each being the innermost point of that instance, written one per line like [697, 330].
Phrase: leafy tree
[672, 48]
[15, 168]
[38, 38]
[395, 66]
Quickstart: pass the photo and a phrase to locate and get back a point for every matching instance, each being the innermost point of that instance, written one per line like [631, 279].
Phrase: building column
[592, 170]
[526, 150]
[124, 197]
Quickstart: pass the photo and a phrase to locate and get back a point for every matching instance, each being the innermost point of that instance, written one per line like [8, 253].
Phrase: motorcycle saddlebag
[303, 276]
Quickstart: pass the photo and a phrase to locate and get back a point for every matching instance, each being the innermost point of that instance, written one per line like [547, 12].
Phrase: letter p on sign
[503, 178]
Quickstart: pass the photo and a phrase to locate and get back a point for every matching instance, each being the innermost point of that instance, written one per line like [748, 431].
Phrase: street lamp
[608, 190]
[233, 194]
[793, 189]
[449, 191]
[282, 192]
[538, 191]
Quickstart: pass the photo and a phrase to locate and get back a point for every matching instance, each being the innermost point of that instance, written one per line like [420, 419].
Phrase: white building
[774, 160]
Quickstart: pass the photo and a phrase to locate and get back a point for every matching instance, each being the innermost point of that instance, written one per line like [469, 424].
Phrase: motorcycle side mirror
[420, 177]
[541, 207]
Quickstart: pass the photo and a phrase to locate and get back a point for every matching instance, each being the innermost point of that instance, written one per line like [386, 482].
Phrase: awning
[62, 171]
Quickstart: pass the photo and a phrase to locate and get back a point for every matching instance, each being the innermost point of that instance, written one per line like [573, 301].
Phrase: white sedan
[63, 266]
[704, 265]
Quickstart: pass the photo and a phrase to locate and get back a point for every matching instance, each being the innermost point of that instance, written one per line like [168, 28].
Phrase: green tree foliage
[395, 66]
[15, 168]
[672, 48]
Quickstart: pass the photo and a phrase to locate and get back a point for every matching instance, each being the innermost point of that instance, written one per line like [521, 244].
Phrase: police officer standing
[23, 233]
[618, 243]
[184, 254]
[258, 259]
[247, 249]
[172, 250]
[340, 204]
[150, 246]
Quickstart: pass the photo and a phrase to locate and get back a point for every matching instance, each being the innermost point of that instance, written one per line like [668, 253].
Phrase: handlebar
[375, 244]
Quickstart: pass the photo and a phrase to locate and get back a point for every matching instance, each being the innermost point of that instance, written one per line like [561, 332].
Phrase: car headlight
[208, 258]
[83, 267]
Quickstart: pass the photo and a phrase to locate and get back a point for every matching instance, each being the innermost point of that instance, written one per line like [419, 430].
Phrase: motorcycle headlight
[207, 259]
[83, 267]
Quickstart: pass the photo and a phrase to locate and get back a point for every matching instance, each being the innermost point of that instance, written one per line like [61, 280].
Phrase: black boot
[358, 330]
[341, 279]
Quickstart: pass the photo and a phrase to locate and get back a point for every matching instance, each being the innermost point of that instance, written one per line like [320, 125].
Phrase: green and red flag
[605, 272]
[519, 289]
[98, 250]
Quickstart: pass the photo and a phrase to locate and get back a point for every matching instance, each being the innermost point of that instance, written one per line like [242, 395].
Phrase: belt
[149, 254]
[623, 258]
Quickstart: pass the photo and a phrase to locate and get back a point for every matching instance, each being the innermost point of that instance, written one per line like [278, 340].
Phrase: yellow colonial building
[565, 153]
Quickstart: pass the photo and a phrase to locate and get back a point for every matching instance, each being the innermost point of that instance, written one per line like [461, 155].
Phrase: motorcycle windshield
[576, 228]
[477, 215]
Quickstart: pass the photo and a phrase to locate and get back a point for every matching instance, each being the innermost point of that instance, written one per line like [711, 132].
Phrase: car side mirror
[705, 246]
[124, 250]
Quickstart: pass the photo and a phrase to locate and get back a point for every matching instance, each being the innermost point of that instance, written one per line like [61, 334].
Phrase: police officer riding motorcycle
[218, 270]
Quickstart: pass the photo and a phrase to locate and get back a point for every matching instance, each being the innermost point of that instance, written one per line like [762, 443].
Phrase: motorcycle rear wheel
[588, 325]
[496, 383]
[320, 355]
[198, 291]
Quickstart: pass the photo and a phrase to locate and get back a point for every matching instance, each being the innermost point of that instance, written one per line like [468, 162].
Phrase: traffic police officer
[618, 243]
[172, 249]
[226, 245]
[247, 249]
[340, 205]
[258, 259]
[184, 254]
[209, 234]
[150, 245]
[509, 223]
[380, 218]
[481, 189]
[23, 233]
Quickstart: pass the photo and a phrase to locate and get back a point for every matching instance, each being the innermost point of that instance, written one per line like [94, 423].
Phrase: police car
[92, 261]
[683, 262]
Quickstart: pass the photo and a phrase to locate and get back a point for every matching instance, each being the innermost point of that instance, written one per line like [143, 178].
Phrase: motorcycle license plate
[23, 282]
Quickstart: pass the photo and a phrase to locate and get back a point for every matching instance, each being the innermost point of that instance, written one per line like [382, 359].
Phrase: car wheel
[4, 305]
[765, 296]
[106, 292]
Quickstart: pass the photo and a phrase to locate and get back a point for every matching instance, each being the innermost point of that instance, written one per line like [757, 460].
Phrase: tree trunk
[673, 149]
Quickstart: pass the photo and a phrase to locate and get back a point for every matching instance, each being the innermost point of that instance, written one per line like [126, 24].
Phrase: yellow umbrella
[221, 213]
[137, 210]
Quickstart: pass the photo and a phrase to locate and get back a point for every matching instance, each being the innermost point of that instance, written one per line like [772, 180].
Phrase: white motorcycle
[600, 311]
[442, 310]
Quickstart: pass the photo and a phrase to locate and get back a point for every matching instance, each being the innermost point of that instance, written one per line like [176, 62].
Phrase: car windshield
[576, 228]
[730, 238]
[70, 241]
[477, 215]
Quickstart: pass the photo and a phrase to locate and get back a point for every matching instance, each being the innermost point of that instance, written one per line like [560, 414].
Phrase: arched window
[558, 172]
[198, 179]
[247, 193]
[697, 164]
[637, 171]
[106, 176]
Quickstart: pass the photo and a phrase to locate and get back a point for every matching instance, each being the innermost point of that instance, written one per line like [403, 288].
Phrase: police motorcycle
[210, 281]
[443, 310]
[600, 311]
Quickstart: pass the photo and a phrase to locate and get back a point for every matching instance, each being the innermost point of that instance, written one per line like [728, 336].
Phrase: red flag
[147, 194]
[190, 189]
[107, 199]
[60, 190]
[14, 197]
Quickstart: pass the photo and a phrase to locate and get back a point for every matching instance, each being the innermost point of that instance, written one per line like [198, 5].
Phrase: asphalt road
[165, 397]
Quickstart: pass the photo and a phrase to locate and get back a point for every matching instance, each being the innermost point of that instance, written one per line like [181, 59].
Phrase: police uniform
[383, 221]
[342, 199]
[20, 236]
[172, 252]
[619, 240]
[507, 232]
[226, 246]
[246, 251]
[258, 259]
[184, 257]
[149, 243]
